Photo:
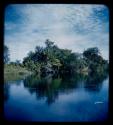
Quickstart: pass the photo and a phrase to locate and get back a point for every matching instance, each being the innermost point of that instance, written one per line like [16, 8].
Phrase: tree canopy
[52, 59]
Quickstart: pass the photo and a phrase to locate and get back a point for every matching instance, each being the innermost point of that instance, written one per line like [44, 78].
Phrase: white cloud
[70, 26]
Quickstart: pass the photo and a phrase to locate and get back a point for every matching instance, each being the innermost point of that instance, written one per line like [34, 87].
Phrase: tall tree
[49, 43]
[90, 53]
[53, 59]
[6, 54]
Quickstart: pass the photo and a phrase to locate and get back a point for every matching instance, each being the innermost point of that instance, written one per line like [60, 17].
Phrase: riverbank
[15, 72]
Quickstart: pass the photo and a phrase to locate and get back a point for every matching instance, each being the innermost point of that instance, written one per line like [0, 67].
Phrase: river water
[57, 99]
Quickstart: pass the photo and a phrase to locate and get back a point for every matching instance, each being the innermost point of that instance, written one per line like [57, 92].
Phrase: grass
[13, 72]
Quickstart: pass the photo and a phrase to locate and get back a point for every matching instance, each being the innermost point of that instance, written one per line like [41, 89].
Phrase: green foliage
[14, 72]
[91, 52]
[48, 43]
[95, 61]
[52, 59]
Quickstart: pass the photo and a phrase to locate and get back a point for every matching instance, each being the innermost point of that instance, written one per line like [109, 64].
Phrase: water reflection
[51, 86]
[6, 91]
[7, 85]
[94, 81]
[65, 98]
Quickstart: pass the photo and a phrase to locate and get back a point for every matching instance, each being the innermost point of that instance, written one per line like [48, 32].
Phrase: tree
[6, 54]
[49, 43]
[18, 62]
[90, 53]
[52, 59]
[95, 61]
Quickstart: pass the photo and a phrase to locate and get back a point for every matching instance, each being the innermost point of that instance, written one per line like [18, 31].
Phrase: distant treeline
[52, 59]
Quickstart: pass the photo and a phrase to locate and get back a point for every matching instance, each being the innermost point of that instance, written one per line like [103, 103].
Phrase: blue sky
[72, 26]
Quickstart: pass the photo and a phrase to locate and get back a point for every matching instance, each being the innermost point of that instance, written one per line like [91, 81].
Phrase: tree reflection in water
[94, 81]
[6, 91]
[7, 85]
[51, 86]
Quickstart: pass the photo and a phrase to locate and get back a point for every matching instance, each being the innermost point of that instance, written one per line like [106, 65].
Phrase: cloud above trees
[71, 26]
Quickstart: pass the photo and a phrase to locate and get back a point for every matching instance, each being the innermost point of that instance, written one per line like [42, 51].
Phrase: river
[75, 98]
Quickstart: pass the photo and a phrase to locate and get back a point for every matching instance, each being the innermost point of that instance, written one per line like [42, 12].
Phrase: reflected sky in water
[66, 98]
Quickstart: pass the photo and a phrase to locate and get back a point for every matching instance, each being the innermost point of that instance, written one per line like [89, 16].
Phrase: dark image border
[104, 2]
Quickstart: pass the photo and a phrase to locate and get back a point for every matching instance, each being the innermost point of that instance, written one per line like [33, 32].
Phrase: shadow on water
[51, 86]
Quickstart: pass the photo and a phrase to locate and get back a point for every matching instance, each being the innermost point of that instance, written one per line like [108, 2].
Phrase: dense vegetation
[52, 59]
[13, 70]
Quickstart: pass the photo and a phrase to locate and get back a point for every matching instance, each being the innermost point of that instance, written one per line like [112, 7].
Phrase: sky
[71, 26]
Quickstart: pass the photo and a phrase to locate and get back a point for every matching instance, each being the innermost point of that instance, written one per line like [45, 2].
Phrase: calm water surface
[74, 98]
